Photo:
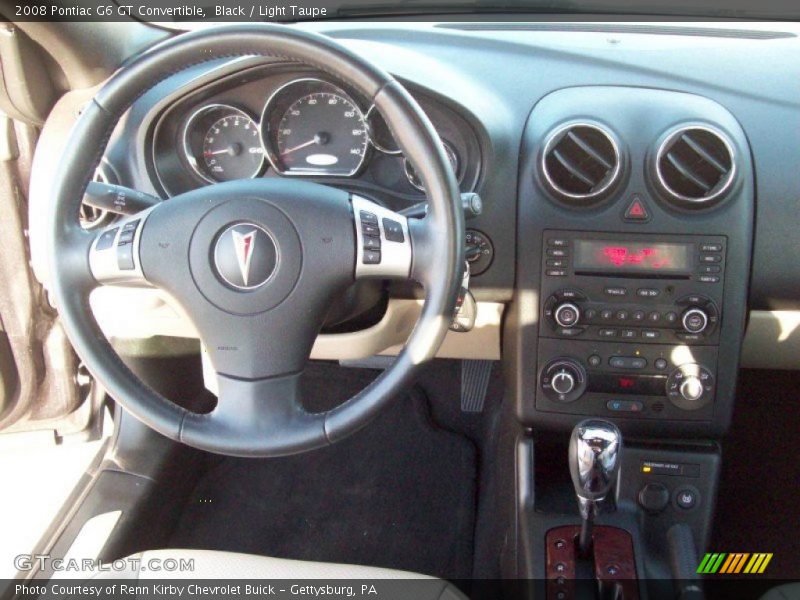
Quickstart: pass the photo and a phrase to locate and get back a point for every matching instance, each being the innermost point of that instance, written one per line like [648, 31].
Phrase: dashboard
[639, 186]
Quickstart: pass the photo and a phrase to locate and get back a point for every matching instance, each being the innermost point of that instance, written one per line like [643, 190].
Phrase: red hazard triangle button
[636, 210]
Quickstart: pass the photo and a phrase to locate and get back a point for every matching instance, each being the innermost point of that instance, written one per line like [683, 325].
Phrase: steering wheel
[255, 263]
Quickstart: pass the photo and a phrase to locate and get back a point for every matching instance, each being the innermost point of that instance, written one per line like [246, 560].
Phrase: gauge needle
[299, 146]
[233, 150]
[321, 138]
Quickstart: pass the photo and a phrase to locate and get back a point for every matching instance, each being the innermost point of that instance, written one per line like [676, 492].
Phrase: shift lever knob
[593, 461]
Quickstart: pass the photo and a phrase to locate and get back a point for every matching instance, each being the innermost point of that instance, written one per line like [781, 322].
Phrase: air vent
[580, 162]
[695, 166]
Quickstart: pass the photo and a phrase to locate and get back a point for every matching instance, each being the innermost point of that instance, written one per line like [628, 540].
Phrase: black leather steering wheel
[255, 263]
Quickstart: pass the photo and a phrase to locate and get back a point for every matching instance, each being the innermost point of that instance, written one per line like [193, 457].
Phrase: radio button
[710, 247]
[710, 258]
[556, 262]
[555, 272]
[616, 291]
[648, 292]
[651, 334]
[608, 332]
[629, 333]
[560, 252]
[622, 315]
[590, 313]
[710, 269]
[708, 278]
[671, 317]
[567, 315]
[559, 242]
[695, 320]
[638, 315]
[654, 316]
[570, 295]
[570, 331]
[606, 314]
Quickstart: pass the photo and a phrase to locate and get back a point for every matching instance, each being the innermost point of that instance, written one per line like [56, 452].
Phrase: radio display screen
[598, 256]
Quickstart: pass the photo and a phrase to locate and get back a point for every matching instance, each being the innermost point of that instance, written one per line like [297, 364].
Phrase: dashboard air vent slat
[580, 162]
[695, 166]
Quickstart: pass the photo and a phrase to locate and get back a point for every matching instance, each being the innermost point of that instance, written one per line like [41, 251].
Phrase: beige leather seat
[208, 564]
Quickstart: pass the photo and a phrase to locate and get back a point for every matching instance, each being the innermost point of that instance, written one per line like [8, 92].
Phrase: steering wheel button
[372, 257]
[393, 231]
[131, 225]
[368, 217]
[125, 257]
[372, 243]
[370, 230]
[106, 239]
[126, 237]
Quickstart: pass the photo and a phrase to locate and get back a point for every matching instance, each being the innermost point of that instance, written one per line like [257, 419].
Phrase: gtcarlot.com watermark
[43, 562]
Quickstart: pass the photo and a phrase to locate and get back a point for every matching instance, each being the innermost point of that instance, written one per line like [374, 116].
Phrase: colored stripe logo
[734, 563]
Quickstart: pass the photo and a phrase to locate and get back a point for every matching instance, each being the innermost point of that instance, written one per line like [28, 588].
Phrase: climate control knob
[563, 380]
[695, 320]
[567, 314]
[691, 389]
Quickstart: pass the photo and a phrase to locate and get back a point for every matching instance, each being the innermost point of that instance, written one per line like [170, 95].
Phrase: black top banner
[190, 13]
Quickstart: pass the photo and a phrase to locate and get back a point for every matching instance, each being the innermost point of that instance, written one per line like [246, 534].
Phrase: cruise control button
[106, 239]
[372, 257]
[125, 257]
[393, 231]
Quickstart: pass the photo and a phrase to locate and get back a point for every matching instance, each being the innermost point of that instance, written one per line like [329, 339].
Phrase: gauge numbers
[222, 143]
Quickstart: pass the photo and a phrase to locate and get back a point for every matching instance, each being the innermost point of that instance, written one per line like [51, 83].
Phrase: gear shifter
[593, 463]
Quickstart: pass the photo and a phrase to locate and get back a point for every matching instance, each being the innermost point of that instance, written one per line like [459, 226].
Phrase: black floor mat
[757, 507]
[398, 494]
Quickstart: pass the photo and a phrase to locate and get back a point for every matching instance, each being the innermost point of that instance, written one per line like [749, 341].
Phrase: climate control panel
[646, 381]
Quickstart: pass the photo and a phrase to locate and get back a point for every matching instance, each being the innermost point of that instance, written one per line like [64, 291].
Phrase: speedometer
[311, 127]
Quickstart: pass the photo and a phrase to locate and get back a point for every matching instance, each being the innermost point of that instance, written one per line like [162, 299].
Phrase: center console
[634, 238]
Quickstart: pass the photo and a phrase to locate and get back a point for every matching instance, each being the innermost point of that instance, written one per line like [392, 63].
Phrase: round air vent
[695, 166]
[580, 162]
[91, 217]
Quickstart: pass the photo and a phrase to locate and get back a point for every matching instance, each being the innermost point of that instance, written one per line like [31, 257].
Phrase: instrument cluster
[305, 126]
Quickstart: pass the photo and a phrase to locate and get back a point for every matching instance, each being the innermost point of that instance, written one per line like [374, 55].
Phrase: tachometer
[311, 127]
[222, 143]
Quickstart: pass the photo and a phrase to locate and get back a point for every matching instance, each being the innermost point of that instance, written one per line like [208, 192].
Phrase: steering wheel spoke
[383, 241]
[254, 415]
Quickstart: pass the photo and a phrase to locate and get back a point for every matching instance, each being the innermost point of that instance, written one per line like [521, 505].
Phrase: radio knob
[691, 389]
[563, 382]
[567, 314]
[695, 320]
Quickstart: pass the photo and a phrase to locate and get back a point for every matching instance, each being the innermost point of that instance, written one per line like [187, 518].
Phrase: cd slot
[619, 275]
